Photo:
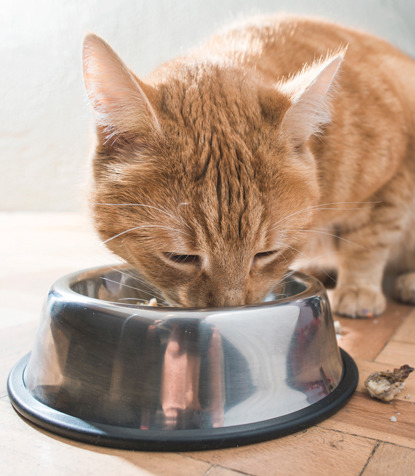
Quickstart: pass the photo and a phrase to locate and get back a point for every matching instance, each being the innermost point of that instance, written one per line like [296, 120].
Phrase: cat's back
[289, 41]
[280, 45]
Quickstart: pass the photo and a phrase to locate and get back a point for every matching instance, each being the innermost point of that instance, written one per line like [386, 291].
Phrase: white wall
[46, 128]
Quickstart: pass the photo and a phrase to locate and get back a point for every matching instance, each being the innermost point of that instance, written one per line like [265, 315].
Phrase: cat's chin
[204, 304]
[203, 295]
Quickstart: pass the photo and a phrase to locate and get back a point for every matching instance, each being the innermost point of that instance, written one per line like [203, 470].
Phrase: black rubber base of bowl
[177, 440]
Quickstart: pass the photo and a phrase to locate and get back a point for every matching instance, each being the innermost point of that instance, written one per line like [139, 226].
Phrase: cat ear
[116, 96]
[309, 92]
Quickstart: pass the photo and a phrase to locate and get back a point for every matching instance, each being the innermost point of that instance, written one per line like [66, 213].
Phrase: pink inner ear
[114, 93]
[321, 85]
[310, 94]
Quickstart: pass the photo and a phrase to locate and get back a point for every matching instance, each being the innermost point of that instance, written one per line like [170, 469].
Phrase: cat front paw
[359, 301]
[405, 288]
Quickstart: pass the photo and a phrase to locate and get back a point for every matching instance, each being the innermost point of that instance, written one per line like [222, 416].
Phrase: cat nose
[233, 297]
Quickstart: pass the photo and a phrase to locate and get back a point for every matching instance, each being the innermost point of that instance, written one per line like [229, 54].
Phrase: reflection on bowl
[110, 372]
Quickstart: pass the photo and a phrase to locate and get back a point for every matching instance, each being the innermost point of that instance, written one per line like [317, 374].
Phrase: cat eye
[265, 254]
[183, 259]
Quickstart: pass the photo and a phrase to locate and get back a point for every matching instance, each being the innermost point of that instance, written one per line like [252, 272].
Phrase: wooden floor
[36, 249]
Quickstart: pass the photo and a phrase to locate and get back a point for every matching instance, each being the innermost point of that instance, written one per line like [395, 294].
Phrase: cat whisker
[275, 296]
[144, 226]
[323, 232]
[175, 218]
[137, 300]
[326, 206]
[130, 276]
[126, 285]
[308, 261]
[347, 203]
[278, 223]
[132, 299]
[139, 280]
[154, 291]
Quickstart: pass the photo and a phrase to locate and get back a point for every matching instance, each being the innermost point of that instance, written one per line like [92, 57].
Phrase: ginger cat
[281, 138]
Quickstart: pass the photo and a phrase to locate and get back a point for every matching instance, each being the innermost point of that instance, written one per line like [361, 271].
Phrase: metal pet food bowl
[106, 371]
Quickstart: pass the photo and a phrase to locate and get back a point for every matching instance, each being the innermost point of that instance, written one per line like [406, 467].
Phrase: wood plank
[371, 418]
[391, 460]
[315, 451]
[28, 450]
[15, 342]
[365, 338]
[18, 301]
[406, 331]
[397, 354]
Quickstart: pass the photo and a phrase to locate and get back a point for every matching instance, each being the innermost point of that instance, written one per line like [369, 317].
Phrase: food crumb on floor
[385, 385]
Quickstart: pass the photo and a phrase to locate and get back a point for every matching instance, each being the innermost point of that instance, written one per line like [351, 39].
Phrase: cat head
[203, 177]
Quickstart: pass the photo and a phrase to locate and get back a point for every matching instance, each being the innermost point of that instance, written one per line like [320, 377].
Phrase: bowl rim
[115, 436]
[64, 286]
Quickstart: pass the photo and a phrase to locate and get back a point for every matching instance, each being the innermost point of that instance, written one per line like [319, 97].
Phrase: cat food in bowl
[108, 371]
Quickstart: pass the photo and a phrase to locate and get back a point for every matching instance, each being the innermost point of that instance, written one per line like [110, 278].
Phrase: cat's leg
[405, 288]
[364, 251]
[359, 287]
[403, 264]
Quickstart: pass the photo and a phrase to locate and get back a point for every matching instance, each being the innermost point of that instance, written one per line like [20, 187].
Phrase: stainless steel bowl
[107, 371]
